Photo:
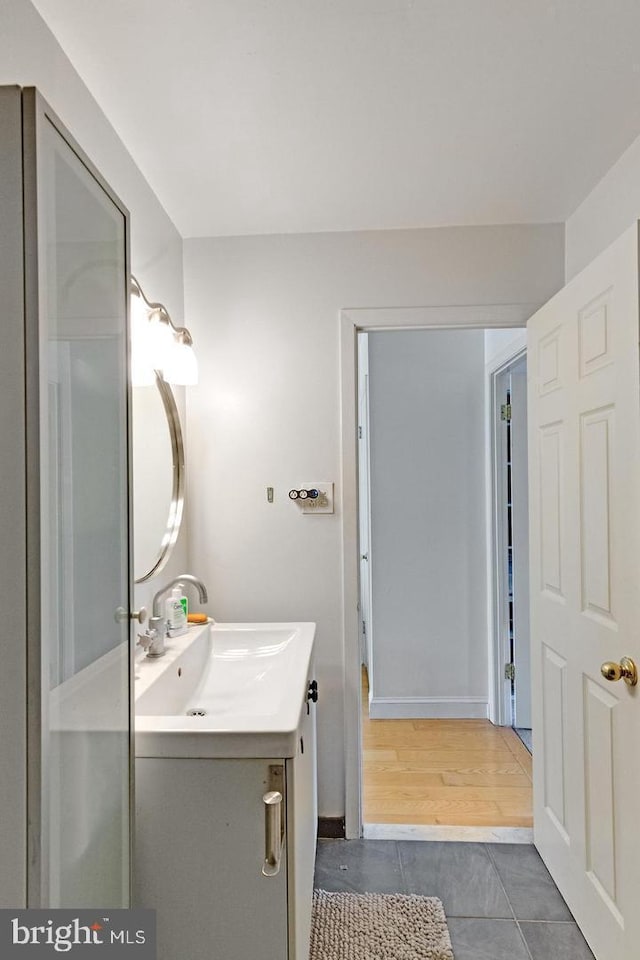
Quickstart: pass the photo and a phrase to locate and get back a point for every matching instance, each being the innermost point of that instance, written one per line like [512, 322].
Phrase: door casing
[502, 714]
[353, 321]
[364, 505]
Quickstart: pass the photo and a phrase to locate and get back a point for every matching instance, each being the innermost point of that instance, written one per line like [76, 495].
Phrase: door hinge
[364, 629]
[505, 411]
[359, 433]
[509, 671]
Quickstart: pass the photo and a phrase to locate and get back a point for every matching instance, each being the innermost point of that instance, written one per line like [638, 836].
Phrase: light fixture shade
[162, 344]
[158, 345]
[181, 367]
[142, 374]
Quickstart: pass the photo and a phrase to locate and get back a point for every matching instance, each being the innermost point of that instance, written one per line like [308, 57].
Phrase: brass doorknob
[625, 670]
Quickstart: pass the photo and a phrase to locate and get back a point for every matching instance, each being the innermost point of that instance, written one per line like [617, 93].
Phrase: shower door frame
[35, 113]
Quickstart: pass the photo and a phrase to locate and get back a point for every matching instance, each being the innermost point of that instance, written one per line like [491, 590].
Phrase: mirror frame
[176, 507]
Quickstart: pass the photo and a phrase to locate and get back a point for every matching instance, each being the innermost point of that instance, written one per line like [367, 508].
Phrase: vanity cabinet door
[200, 846]
[302, 825]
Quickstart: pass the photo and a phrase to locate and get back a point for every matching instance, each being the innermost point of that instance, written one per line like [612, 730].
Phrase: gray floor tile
[562, 941]
[528, 884]
[461, 874]
[359, 866]
[487, 940]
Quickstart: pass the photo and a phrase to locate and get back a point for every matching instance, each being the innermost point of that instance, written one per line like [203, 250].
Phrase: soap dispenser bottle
[176, 612]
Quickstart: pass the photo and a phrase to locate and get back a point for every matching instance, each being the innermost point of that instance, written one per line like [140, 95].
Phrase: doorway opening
[438, 534]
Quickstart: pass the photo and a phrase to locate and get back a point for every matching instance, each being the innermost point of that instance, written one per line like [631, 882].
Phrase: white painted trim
[498, 548]
[486, 316]
[409, 831]
[350, 583]
[428, 708]
[498, 712]
[508, 355]
[490, 469]
[364, 485]
[384, 318]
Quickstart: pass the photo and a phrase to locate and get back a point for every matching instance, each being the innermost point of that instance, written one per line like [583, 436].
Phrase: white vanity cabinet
[201, 832]
[302, 825]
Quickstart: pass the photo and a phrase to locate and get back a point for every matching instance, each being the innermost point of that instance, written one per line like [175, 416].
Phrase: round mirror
[158, 477]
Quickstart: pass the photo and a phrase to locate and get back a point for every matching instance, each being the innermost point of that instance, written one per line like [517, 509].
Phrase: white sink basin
[225, 690]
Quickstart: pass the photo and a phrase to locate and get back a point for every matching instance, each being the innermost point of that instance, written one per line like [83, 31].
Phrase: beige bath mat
[375, 926]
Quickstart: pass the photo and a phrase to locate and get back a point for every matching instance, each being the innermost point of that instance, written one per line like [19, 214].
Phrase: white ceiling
[274, 116]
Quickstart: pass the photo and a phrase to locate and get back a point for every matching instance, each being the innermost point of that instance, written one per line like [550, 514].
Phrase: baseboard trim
[331, 828]
[428, 708]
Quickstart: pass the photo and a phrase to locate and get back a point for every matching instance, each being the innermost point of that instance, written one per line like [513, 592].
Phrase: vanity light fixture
[157, 344]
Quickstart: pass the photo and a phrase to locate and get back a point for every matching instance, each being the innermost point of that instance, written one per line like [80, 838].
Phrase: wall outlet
[323, 503]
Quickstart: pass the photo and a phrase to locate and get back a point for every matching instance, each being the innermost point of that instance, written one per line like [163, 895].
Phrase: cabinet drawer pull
[273, 833]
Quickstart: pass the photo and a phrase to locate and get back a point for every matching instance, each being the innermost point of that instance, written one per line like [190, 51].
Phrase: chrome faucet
[153, 639]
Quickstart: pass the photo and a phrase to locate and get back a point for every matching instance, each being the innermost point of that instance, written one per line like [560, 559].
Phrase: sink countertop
[249, 680]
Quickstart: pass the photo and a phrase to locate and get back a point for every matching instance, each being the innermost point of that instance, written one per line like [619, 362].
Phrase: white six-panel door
[584, 485]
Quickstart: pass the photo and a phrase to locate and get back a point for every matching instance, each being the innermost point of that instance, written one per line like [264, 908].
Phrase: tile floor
[500, 902]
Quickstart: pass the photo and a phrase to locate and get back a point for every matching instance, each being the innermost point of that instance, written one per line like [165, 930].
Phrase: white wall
[31, 56]
[265, 316]
[428, 537]
[605, 213]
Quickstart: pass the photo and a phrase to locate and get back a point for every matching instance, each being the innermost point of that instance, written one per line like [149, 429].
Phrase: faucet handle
[122, 614]
[146, 639]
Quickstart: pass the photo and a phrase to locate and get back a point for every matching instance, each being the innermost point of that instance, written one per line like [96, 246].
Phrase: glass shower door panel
[85, 770]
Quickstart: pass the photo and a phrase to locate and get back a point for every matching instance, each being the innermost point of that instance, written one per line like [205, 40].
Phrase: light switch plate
[323, 504]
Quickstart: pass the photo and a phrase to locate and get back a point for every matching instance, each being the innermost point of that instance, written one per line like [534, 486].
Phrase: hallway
[447, 772]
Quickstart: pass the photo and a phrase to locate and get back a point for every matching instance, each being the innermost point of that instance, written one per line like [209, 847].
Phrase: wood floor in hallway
[453, 772]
